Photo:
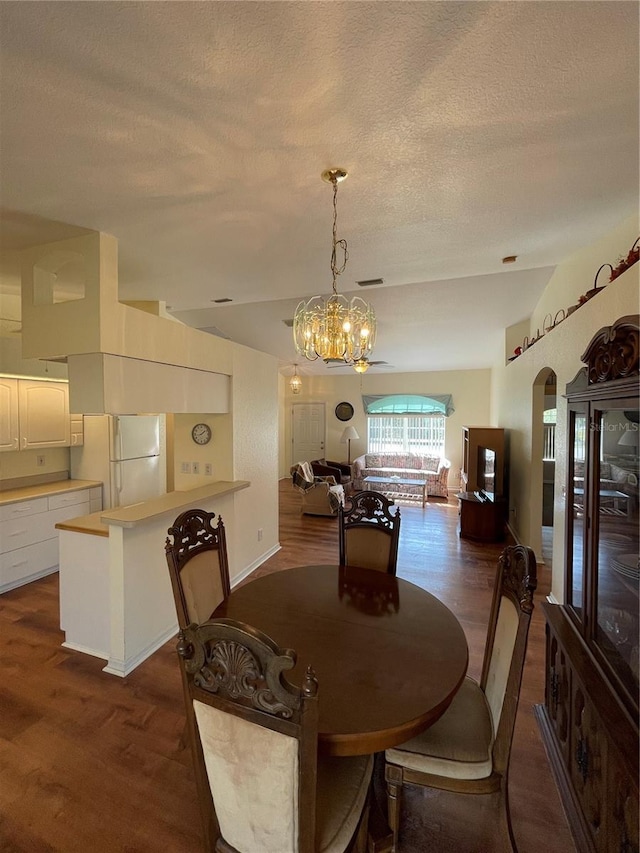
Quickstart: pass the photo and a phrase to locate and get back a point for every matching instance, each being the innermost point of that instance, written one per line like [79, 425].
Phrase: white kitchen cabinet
[9, 413]
[43, 414]
[34, 414]
[28, 538]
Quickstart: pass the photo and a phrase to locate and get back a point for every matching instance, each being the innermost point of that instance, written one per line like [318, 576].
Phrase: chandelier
[335, 328]
[295, 383]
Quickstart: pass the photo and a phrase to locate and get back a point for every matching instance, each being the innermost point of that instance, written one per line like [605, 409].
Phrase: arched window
[407, 423]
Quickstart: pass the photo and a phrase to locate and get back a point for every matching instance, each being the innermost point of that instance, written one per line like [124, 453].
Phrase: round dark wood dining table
[388, 655]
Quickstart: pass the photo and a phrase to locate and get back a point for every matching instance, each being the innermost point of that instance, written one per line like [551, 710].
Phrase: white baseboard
[122, 668]
[253, 566]
[76, 647]
[22, 581]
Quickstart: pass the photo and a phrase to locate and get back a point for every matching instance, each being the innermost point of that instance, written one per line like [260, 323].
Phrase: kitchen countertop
[28, 493]
[90, 524]
[135, 514]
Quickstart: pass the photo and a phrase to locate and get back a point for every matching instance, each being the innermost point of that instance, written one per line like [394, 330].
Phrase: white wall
[560, 350]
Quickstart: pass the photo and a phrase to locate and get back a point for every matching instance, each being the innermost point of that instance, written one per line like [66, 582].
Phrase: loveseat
[433, 469]
[613, 477]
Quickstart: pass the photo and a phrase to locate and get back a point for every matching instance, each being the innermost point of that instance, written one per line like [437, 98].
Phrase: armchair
[320, 495]
[338, 470]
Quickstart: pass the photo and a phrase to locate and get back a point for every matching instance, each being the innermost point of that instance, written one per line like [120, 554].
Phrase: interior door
[307, 432]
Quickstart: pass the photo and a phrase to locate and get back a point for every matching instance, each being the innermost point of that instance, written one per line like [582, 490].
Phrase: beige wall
[218, 452]
[559, 350]
[254, 409]
[23, 463]
[470, 389]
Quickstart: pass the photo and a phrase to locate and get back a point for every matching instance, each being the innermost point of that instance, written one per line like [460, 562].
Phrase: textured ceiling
[196, 133]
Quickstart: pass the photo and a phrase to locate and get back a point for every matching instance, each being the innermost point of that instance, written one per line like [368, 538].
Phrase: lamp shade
[629, 438]
[348, 433]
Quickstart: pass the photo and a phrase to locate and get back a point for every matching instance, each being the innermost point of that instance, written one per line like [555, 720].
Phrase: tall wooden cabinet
[589, 720]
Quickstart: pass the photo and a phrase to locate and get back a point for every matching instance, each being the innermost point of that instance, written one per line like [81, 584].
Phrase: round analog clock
[344, 411]
[201, 433]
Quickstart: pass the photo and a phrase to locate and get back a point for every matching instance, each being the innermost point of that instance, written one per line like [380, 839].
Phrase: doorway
[546, 428]
[307, 432]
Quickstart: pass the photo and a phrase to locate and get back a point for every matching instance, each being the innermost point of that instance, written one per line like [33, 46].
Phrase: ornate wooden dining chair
[467, 750]
[369, 532]
[198, 565]
[261, 786]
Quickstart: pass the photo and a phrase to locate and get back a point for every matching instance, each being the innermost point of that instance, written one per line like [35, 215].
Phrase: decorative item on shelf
[335, 328]
[624, 263]
[547, 326]
[557, 319]
[595, 289]
[295, 383]
[347, 434]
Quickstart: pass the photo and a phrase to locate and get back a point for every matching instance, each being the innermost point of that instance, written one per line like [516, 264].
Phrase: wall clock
[201, 433]
[344, 411]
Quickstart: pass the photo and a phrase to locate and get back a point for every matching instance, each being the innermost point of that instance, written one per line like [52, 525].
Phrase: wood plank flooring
[92, 763]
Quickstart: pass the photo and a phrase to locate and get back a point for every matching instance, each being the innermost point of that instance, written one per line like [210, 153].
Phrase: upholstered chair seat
[467, 750]
[459, 744]
[340, 797]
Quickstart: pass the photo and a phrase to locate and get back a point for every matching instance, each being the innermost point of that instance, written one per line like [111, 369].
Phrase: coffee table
[396, 481]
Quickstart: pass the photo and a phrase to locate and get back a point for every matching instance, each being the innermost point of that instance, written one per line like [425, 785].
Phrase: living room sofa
[433, 469]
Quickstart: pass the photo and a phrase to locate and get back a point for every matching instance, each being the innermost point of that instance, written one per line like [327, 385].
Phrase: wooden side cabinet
[482, 520]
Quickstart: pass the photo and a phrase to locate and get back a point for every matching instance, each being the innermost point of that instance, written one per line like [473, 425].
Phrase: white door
[307, 432]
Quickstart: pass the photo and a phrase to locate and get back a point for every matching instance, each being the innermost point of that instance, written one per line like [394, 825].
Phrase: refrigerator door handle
[118, 477]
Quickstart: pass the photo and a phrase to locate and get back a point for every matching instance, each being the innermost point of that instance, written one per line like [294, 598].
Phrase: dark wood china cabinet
[589, 721]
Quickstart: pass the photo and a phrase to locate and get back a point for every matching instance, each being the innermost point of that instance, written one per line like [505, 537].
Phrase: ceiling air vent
[288, 323]
[220, 301]
[369, 282]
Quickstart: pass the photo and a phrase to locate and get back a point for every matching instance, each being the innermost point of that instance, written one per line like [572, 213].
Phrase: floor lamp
[347, 434]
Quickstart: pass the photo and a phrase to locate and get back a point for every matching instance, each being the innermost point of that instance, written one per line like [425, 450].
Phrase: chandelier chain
[335, 269]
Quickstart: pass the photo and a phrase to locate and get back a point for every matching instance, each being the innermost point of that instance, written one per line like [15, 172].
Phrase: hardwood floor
[91, 762]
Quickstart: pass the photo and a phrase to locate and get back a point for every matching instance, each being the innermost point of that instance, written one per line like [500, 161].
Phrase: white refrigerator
[127, 453]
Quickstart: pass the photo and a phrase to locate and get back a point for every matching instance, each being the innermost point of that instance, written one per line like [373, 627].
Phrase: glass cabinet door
[615, 625]
[576, 523]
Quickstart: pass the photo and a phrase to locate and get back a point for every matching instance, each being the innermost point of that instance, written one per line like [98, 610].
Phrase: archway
[543, 455]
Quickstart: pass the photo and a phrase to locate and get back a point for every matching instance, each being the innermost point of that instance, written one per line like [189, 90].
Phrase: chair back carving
[198, 565]
[369, 532]
[505, 649]
[254, 738]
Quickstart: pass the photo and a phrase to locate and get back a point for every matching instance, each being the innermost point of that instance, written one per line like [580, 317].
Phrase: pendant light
[295, 383]
[335, 328]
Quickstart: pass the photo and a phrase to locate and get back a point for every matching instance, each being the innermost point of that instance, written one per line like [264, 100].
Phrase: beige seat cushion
[457, 746]
[341, 792]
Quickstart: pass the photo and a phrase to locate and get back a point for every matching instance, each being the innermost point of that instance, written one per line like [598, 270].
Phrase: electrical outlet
[185, 468]
[195, 467]
[208, 469]
[260, 534]
[39, 461]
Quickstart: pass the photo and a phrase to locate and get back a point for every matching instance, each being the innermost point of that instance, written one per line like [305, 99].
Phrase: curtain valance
[408, 404]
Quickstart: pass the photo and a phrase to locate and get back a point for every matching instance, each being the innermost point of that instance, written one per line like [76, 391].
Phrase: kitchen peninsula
[115, 594]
